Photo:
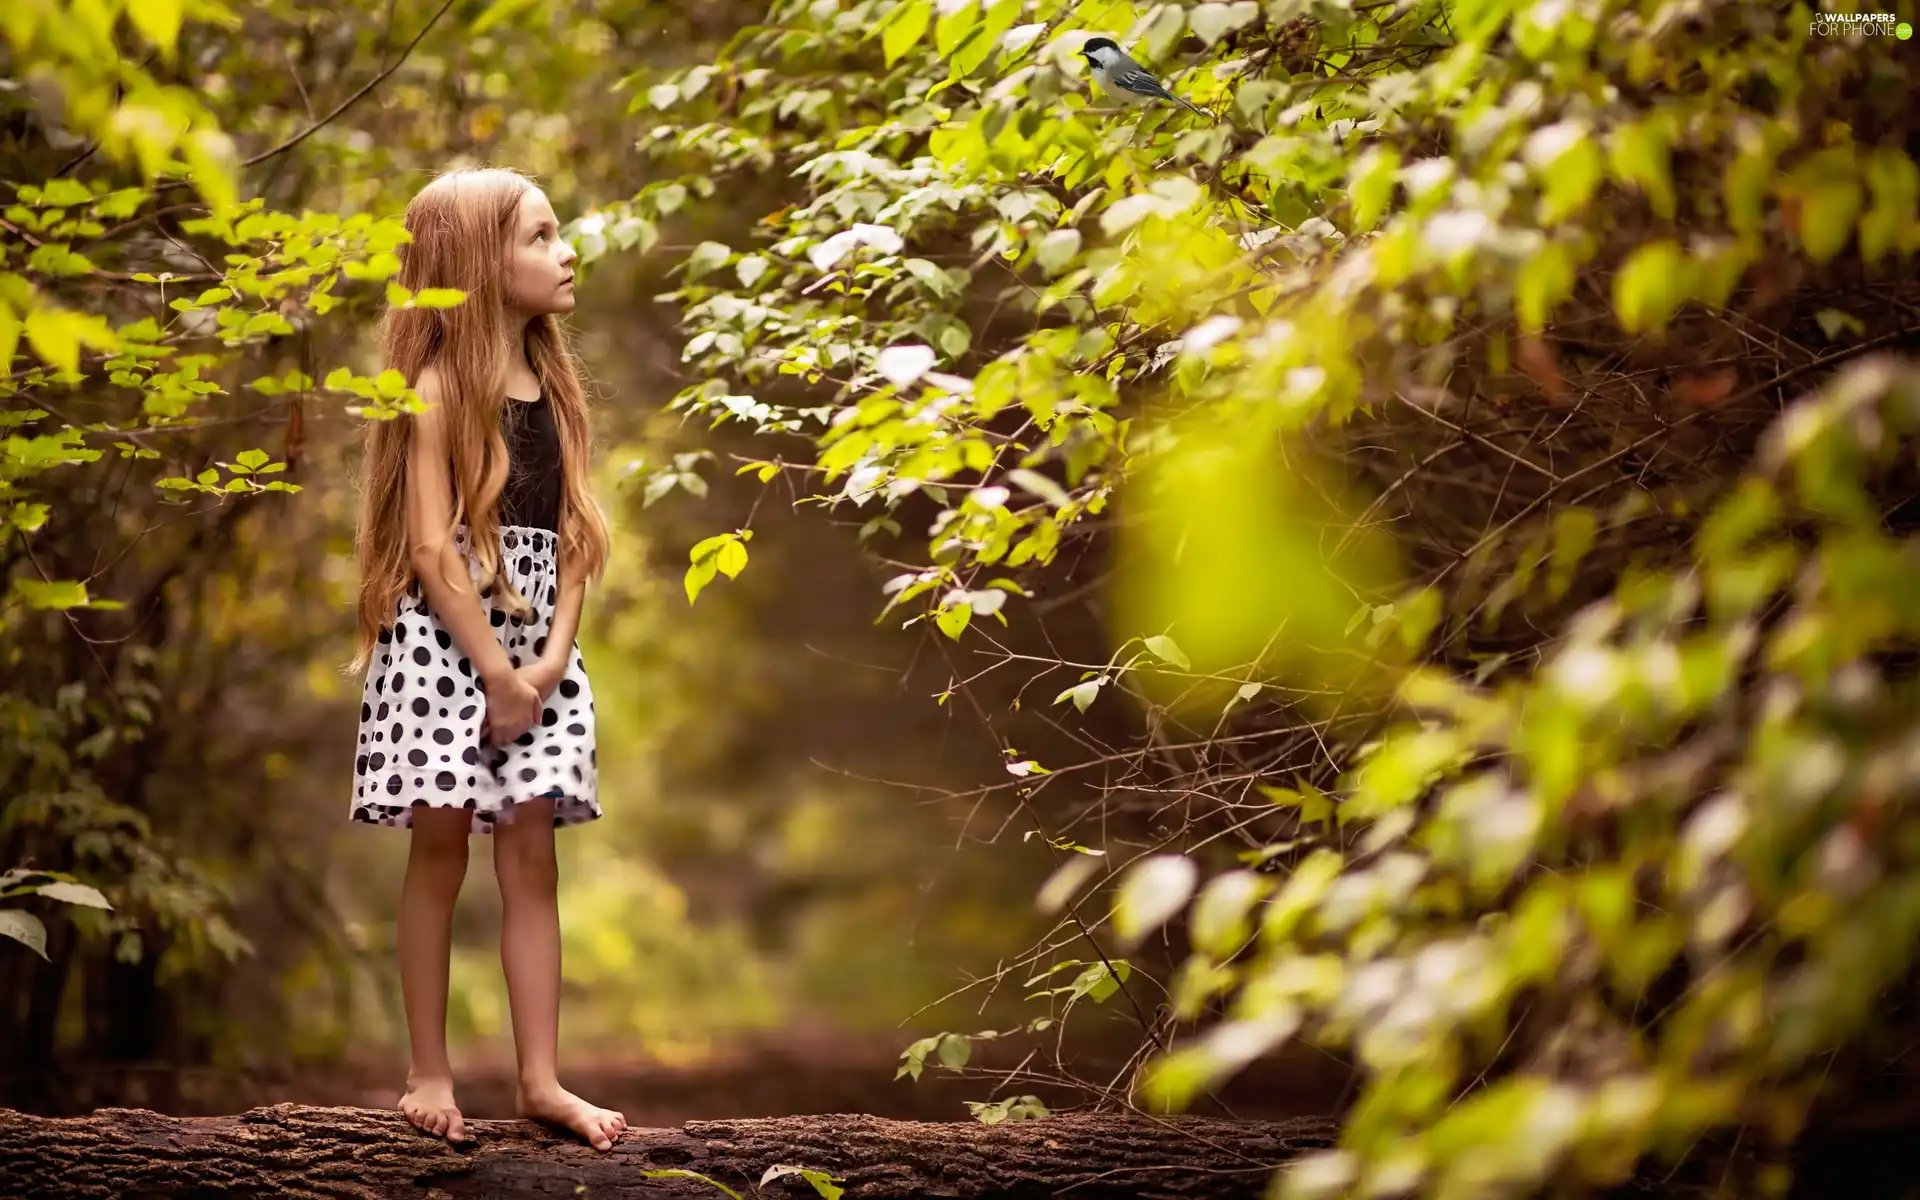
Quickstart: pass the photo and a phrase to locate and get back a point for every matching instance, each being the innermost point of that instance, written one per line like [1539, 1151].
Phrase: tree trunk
[361, 1154]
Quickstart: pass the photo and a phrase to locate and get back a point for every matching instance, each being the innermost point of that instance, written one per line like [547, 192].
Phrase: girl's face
[539, 262]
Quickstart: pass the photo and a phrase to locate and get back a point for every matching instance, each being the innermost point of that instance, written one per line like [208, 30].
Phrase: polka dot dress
[421, 710]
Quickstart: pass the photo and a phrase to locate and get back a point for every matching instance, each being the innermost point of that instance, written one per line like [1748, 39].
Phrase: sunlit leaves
[1190, 564]
[722, 554]
[1166, 649]
[1152, 890]
[1650, 286]
[1889, 223]
[983, 38]
[1011, 1108]
[823, 1183]
[1826, 194]
[1371, 185]
[1212, 21]
[58, 335]
[904, 25]
[1403, 194]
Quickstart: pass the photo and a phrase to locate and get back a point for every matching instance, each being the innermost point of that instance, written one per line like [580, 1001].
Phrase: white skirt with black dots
[420, 713]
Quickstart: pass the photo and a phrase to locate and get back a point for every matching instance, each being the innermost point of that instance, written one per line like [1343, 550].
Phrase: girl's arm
[442, 572]
[566, 621]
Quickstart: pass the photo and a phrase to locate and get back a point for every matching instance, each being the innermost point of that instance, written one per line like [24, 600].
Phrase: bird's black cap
[1093, 44]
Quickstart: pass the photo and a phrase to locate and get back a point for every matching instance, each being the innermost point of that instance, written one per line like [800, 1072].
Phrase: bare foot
[429, 1104]
[557, 1106]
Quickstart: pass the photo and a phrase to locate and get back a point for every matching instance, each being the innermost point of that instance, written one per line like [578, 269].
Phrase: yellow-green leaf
[955, 25]
[56, 335]
[1370, 186]
[953, 619]
[985, 37]
[1650, 286]
[59, 593]
[9, 336]
[699, 575]
[908, 25]
[158, 21]
[1826, 217]
[1165, 648]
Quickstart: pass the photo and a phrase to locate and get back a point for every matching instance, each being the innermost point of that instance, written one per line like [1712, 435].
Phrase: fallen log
[300, 1152]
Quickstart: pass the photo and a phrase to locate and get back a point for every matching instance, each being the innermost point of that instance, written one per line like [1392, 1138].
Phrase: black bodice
[532, 495]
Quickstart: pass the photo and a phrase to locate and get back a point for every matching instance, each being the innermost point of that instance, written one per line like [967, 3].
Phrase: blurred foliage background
[1410, 571]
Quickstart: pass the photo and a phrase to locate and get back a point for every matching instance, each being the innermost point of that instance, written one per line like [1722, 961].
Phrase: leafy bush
[1474, 571]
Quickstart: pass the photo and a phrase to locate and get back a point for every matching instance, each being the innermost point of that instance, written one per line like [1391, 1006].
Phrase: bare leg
[523, 860]
[436, 866]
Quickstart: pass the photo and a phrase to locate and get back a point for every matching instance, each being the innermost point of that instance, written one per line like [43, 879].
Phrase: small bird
[1125, 79]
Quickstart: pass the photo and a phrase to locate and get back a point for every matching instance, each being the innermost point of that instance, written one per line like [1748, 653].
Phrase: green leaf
[914, 1057]
[731, 559]
[1895, 182]
[25, 928]
[9, 337]
[1650, 286]
[1826, 217]
[1315, 805]
[1212, 21]
[1220, 915]
[955, 1050]
[819, 1180]
[985, 37]
[438, 297]
[498, 12]
[683, 1173]
[1040, 485]
[1097, 983]
[1371, 184]
[74, 893]
[707, 257]
[904, 27]
[64, 192]
[56, 335]
[159, 22]
[952, 619]
[55, 258]
[1834, 322]
[1544, 281]
[1639, 154]
[1012, 1108]
[954, 26]
[1056, 251]
[60, 593]
[1418, 616]
[1082, 695]
[1167, 650]
[699, 575]
[1155, 888]
[1573, 535]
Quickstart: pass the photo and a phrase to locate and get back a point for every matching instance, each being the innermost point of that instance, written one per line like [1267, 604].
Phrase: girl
[478, 535]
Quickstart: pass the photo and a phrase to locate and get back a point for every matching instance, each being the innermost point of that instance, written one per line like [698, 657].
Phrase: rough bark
[296, 1151]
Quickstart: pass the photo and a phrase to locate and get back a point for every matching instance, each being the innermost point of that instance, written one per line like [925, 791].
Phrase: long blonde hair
[462, 224]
